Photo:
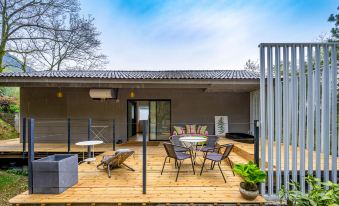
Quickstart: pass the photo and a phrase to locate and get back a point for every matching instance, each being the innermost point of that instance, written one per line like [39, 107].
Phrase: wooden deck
[124, 187]
[95, 187]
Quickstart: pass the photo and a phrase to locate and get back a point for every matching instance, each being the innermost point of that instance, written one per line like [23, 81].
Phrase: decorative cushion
[178, 130]
[202, 129]
[191, 129]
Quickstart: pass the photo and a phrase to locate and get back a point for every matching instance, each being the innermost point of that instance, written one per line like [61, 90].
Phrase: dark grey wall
[187, 105]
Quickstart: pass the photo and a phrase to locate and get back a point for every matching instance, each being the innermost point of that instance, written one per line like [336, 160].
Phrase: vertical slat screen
[286, 127]
[278, 116]
[270, 115]
[325, 120]
[298, 113]
[317, 110]
[294, 103]
[310, 110]
[334, 118]
[302, 108]
[263, 113]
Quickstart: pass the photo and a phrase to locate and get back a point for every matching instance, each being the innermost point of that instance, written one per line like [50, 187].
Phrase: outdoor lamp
[132, 94]
[59, 94]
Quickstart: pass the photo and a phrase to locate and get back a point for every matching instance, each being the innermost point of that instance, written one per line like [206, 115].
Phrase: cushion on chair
[202, 129]
[214, 156]
[178, 130]
[183, 156]
[191, 129]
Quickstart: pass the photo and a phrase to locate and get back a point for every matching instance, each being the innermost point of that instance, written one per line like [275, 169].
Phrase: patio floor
[95, 187]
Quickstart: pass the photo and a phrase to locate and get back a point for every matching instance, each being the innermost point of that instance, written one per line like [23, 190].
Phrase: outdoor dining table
[89, 143]
[192, 142]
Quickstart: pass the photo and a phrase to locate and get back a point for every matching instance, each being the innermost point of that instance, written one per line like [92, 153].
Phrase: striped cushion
[178, 130]
[191, 129]
[202, 129]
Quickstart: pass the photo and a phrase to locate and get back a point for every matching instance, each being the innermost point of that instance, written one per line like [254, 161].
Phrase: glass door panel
[160, 120]
[131, 119]
[163, 120]
[153, 120]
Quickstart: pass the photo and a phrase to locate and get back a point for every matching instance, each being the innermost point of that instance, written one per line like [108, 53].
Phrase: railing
[70, 131]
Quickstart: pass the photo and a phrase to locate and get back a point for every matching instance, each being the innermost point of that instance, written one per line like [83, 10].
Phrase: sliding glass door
[159, 119]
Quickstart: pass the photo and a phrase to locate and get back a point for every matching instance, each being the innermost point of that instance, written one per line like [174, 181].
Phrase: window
[143, 113]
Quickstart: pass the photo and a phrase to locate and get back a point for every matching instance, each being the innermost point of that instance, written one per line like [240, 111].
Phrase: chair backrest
[119, 157]
[170, 150]
[228, 150]
[175, 139]
[212, 141]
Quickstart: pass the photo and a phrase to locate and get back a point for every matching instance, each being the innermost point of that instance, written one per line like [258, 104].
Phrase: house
[169, 98]
[297, 127]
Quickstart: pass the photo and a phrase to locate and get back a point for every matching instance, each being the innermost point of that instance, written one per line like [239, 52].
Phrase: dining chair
[210, 144]
[217, 157]
[179, 157]
[179, 147]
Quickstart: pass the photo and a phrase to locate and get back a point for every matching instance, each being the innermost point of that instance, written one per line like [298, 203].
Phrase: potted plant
[251, 175]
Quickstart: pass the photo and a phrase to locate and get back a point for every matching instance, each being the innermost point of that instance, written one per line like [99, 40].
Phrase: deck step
[235, 159]
[245, 154]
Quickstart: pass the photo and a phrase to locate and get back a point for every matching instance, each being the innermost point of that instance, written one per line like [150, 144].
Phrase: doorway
[157, 112]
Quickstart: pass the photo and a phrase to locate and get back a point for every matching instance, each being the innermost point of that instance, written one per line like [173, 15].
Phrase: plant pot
[248, 194]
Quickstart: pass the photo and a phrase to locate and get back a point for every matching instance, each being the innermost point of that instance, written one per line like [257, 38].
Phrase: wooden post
[113, 134]
[89, 136]
[30, 154]
[23, 134]
[68, 135]
[144, 155]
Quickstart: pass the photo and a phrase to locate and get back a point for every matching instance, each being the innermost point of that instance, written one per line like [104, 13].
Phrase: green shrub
[317, 196]
[9, 104]
[22, 172]
[251, 174]
[13, 108]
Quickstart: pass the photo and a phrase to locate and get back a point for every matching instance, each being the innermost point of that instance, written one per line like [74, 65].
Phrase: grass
[7, 131]
[12, 182]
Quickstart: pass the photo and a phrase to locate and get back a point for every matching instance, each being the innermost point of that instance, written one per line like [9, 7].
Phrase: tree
[334, 18]
[49, 34]
[75, 45]
[252, 66]
[20, 19]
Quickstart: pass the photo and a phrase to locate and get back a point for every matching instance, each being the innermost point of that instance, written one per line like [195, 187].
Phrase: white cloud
[196, 35]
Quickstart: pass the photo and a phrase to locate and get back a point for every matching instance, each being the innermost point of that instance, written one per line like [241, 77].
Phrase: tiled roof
[156, 75]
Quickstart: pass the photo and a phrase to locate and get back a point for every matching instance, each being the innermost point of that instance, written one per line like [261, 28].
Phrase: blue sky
[201, 34]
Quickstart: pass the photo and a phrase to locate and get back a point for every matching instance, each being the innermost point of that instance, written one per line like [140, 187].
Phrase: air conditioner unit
[104, 93]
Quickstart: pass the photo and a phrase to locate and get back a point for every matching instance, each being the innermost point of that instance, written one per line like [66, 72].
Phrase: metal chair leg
[109, 171]
[193, 165]
[213, 165]
[221, 172]
[163, 166]
[128, 167]
[231, 165]
[100, 164]
[202, 167]
[179, 165]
